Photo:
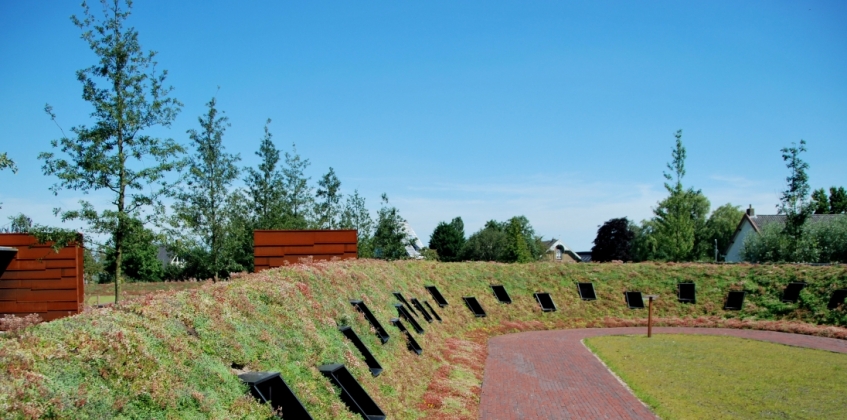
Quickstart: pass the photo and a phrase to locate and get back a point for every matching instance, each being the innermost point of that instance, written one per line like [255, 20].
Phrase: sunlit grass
[710, 377]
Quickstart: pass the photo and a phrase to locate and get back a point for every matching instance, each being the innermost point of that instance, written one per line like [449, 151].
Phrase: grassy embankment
[170, 354]
[708, 377]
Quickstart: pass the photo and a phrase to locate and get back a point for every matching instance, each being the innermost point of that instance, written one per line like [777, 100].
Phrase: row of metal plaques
[269, 387]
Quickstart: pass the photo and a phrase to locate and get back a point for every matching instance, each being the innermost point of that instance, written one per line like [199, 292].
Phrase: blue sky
[560, 111]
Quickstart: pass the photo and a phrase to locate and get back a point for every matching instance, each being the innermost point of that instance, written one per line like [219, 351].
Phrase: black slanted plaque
[686, 292]
[435, 314]
[586, 291]
[401, 310]
[411, 343]
[734, 301]
[634, 300]
[269, 387]
[370, 360]
[792, 292]
[501, 293]
[400, 297]
[380, 332]
[356, 398]
[417, 304]
[545, 301]
[474, 306]
[837, 298]
[439, 299]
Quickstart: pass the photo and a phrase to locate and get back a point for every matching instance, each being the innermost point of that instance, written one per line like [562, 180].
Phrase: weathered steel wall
[41, 281]
[275, 248]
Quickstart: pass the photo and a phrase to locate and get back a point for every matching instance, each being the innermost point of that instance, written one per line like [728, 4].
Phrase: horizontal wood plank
[55, 273]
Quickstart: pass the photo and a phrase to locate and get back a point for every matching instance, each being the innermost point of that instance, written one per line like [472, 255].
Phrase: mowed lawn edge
[707, 376]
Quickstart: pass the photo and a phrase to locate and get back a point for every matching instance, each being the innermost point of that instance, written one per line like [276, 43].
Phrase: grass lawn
[106, 292]
[709, 377]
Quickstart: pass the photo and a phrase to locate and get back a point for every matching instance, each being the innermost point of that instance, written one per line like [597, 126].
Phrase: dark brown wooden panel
[335, 237]
[25, 265]
[29, 295]
[60, 263]
[45, 253]
[62, 283]
[55, 273]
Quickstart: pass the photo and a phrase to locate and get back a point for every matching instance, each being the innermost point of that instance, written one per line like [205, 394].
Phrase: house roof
[584, 255]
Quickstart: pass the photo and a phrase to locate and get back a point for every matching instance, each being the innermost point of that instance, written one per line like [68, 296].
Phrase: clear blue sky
[560, 111]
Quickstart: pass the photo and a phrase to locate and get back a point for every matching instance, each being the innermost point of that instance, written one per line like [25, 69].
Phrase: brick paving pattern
[552, 375]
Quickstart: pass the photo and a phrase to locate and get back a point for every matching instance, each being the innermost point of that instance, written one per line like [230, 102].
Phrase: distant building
[413, 243]
[557, 251]
[584, 255]
[167, 258]
[752, 224]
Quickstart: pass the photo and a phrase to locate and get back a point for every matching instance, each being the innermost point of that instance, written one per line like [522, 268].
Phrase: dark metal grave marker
[435, 314]
[269, 387]
[734, 301]
[546, 302]
[7, 254]
[501, 293]
[411, 343]
[380, 332]
[401, 310]
[400, 297]
[474, 306]
[792, 292]
[686, 292]
[422, 310]
[436, 295]
[370, 360]
[586, 291]
[356, 398]
[837, 298]
[634, 300]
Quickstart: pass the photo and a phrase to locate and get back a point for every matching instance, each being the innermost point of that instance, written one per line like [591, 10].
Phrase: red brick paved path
[552, 375]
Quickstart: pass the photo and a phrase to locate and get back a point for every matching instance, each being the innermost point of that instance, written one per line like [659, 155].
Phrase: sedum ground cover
[712, 377]
[172, 353]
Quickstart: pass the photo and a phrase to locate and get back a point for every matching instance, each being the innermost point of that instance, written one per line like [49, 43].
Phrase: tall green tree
[681, 217]
[116, 154]
[448, 239]
[265, 186]
[390, 238]
[794, 202]
[201, 202]
[298, 194]
[356, 216]
[328, 206]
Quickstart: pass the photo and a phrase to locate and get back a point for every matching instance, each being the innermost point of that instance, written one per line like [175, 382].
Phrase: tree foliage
[820, 242]
[201, 202]
[721, 226]
[835, 203]
[356, 216]
[115, 154]
[140, 257]
[794, 199]
[265, 187]
[614, 241]
[448, 239]
[390, 238]
[328, 207]
[298, 194]
[511, 241]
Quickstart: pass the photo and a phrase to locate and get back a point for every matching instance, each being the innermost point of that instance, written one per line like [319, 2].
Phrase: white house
[558, 251]
[751, 223]
[414, 244]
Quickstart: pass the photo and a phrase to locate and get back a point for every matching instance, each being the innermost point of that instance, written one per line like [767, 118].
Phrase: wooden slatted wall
[275, 248]
[41, 281]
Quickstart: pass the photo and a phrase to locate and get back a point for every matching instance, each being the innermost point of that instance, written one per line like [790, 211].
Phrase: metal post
[650, 317]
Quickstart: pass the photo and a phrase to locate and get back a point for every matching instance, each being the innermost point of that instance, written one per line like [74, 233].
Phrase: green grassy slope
[171, 354]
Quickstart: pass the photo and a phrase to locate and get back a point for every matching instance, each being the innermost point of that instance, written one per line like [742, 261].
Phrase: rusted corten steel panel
[275, 248]
[40, 280]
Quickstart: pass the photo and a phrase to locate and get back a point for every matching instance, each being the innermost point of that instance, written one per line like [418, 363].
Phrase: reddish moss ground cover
[170, 354]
